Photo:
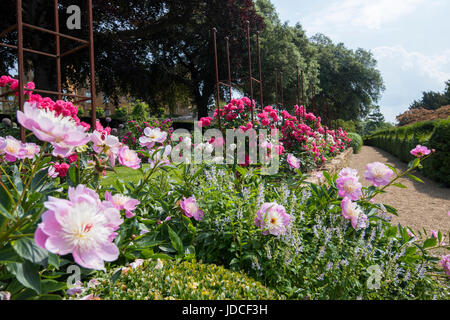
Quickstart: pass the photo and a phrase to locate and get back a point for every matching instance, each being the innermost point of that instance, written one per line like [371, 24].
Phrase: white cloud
[360, 13]
[436, 66]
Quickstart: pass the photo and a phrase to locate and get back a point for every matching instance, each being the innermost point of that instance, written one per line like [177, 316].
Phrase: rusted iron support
[19, 26]
[214, 30]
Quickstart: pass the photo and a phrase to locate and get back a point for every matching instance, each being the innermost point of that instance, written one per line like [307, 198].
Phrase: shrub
[121, 113]
[179, 280]
[356, 142]
[140, 110]
[433, 134]
[348, 126]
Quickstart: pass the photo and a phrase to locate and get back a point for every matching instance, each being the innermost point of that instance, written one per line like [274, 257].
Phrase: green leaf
[5, 213]
[392, 231]
[38, 179]
[391, 210]
[8, 255]
[392, 168]
[72, 177]
[413, 177]
[431, 242]
[29, 250]
[328, 177]
[414, 163]
[175, 240]
[399, 185]
[27, 274]
[48, 286]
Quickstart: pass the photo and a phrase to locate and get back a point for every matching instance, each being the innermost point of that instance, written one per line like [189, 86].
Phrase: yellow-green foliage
[179, 280]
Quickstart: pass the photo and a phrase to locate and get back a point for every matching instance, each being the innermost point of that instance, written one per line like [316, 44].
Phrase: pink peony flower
[293, 161]
[272, 218]
[106, 143]
[351, 211]
[378, 173]
[445, 263]
[191, 208]
[151, 136]
[160, 157]
[82, 225]
[30, 150]
[349, 186]
[129, 158]
[347, 172]
[420, 151]
[11, 148]
[122, 202]
[62, 132]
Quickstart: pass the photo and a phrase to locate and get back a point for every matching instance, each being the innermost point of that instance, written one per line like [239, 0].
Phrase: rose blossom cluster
[304, 131]
[235, 110]
[59, 107]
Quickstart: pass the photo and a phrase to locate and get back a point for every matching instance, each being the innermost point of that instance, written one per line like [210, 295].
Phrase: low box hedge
[433, 134]
[171, 280]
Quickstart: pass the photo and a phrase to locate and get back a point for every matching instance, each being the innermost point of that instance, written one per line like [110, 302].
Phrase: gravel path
[420, 206]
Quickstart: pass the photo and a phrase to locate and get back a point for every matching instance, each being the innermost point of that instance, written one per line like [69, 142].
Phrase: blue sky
[409, 39]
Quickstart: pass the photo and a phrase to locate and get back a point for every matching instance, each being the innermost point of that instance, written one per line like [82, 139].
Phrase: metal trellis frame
[19, 26]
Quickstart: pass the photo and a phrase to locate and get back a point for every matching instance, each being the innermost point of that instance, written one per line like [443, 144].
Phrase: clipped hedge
[433, 134]
[179, 280]
[356, 142]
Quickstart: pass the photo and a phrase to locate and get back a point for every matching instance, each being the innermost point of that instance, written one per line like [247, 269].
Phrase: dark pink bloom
[191, 208]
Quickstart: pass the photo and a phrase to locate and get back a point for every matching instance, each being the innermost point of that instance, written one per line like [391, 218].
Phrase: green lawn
[124, 173]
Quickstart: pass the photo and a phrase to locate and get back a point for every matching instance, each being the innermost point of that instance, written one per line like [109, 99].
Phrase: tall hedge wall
[433, 134]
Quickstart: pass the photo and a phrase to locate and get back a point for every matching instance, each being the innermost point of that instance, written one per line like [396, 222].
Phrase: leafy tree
[432, 100]
[348, 79]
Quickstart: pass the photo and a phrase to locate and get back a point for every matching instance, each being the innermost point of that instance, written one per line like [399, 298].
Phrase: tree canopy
[432, 100]
[161, 51]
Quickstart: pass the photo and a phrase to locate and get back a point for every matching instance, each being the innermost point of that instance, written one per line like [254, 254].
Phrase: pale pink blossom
[82, 225]
[353, 212]
[122, 202]
[349, 186]
[30, 150]
[272, 218]
[107, 143]
[445, 263]
[378, 173]
[347, 172]
[129, 158]
[11, 148]
[62, 132]
[191, 209]
[293, 161]
[160, 157]
[151, 136]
